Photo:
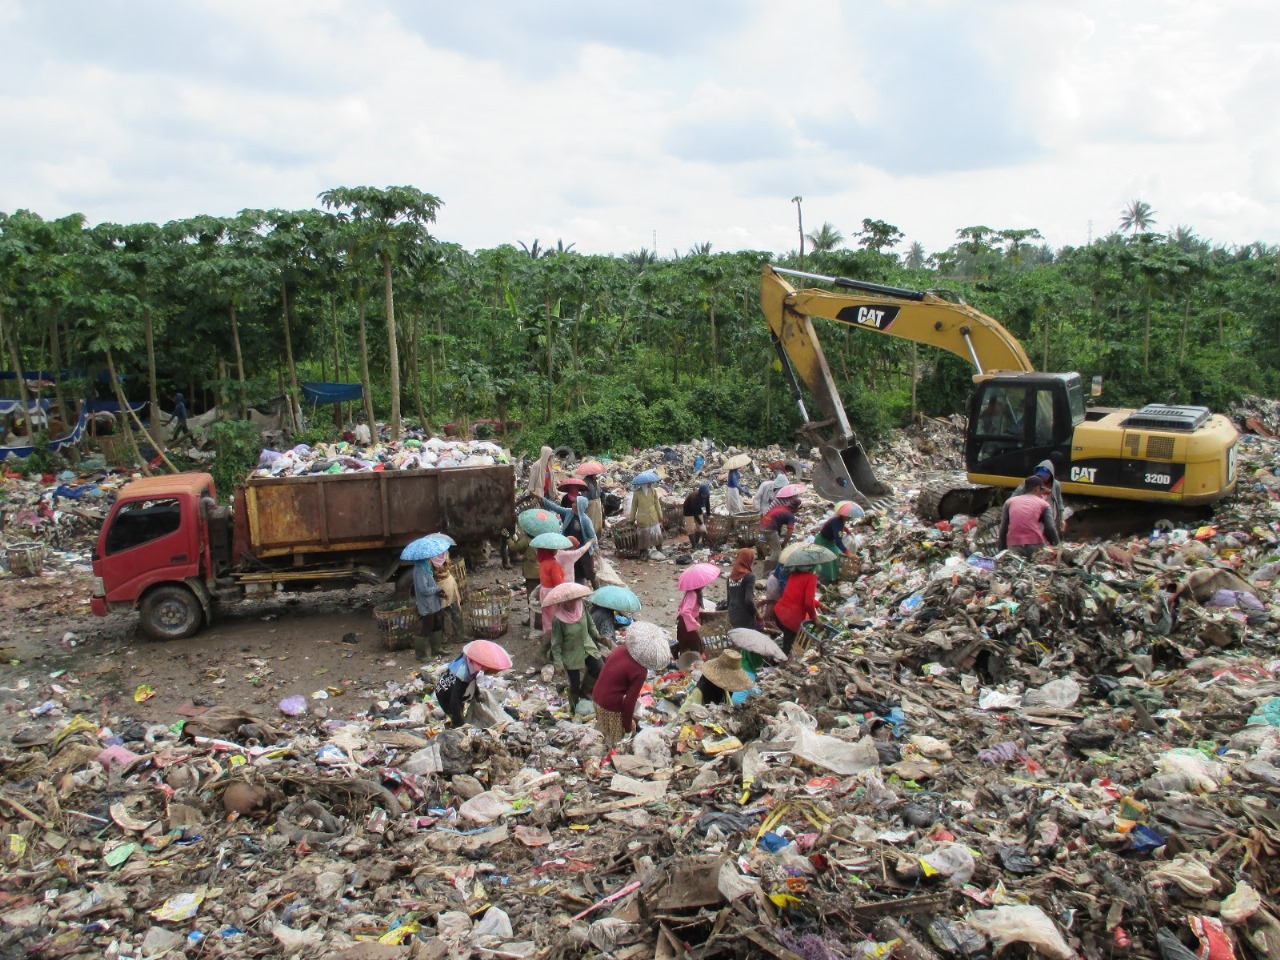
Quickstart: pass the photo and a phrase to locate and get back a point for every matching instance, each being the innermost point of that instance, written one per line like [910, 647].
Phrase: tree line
[602, 352]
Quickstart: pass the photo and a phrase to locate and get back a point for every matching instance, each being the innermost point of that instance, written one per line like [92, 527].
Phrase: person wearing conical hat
[831, 536]
[646, 511]
[573, 646]
[798, 603]
[721, 677]
[646, 647]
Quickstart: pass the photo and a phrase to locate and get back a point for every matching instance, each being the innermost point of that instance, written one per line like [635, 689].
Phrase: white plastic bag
[1023, 924]
[838, 756]
[953, 861]
[485, 807]
[1058, 694]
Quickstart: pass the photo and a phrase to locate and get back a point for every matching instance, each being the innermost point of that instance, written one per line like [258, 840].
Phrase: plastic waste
[1057, 694]
[485, 807]
[1023, 924]
[293, 706]
[1241, 904]
[1202, 774]
[1268, 713]
[1171, 948]
[838, 756]
[953, 861]
[494, 923]
[956, 939]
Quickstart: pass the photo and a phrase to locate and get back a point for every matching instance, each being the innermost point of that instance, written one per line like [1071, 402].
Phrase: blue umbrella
[648, 476]
[445, 537]
[618, 599]
[424, 548]
[551, 541]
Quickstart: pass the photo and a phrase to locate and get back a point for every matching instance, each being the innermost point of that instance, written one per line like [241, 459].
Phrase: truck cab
[153, 554]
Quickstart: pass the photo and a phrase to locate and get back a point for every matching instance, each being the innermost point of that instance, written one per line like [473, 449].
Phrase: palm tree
[915, 256]
[700, 249]
[1137, 217]
[826, 238]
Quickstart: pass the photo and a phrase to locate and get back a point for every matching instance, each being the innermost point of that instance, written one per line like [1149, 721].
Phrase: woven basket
[808, 637]
[25, 559]
[486, 612]
[458, 567]
[714, 630]
[850, 568]
[626, 540]
[746, 528]
[673, 517]
[719, 530]
[396, 624]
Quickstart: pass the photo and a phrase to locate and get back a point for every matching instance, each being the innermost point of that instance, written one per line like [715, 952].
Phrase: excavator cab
[1016, 420]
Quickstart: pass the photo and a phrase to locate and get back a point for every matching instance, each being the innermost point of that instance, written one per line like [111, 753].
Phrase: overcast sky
[601, 123]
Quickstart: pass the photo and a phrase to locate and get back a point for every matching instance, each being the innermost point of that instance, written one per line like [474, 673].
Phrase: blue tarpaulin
[113, 406]
[8, 404]
[317, 393]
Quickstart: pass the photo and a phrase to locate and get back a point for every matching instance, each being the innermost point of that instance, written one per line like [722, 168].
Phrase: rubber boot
[419, 647]
[437, 643]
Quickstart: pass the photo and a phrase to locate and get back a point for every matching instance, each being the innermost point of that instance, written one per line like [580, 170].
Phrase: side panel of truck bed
[374, 510]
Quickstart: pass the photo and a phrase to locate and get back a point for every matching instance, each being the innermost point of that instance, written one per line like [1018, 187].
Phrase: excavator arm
[845, 471]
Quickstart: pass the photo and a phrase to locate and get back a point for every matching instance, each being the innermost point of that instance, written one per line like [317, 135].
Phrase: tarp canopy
[331, 392]
[52, 375]
[8, 404]
[113, 406]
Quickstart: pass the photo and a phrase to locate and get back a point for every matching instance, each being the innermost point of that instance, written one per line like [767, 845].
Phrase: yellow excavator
[1172, 456]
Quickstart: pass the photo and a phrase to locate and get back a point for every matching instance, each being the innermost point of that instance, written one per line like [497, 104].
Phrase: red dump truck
[169, 551]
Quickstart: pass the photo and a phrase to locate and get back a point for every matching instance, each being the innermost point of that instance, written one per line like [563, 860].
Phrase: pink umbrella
[697, 576]
[592, 468]
[566, 592]
[791, 490]
[487, 654]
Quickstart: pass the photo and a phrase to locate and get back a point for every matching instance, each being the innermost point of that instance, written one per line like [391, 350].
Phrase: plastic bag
[1191, 876]
[1242, 904]
[1023, 924]
[996, 700]
[494, 923]
[1058, 694]
[953, 861]
[485, 807]
[838, 756]
[1201, 773]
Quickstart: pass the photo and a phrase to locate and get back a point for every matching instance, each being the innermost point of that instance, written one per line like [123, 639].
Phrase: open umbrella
[698, 576]
[487, 654]
[744, 638]
[592, 468]
[565, 592]
[424, 548]
[808, 555]
[572, 482]
[536, 521]
[445, 537]
[551, 541]
[737, 462]
[847, 508]
[791, 490]
[619, 599]
[649, 476]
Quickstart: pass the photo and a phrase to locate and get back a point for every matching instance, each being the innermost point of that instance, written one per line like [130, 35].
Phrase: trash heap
[1074, 755]
[412, 454]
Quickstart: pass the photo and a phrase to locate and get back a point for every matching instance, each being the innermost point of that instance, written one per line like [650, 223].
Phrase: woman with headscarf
[574, 522]
[550, 574]
[430, 600]
[697, 506]
[733, 491]
[831, 536]
[573, 646]
[799, 602]
[741, 590]
[766, 496]
[595, 506]
[646, 511]
[622, 677]
[689, 622]
[539, 482]
[569, 557]
[450, 595]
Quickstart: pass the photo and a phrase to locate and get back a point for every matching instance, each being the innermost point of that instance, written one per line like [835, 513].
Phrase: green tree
[826, 238]
[1137, 217]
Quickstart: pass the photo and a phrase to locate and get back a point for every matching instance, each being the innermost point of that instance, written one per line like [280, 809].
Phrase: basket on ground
[746, 528]
[25, 559]
[719, 530]
[486, 612]
[850, 568]
[812, 635]
[714, 630]
[397, 622]
[626, 540]
[673, 517]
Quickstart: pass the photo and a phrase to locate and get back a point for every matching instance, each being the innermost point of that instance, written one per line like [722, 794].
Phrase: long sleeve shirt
[573, 643]
[425, 589]
[619, 684]
[646, 507]
[574, 520]
[520, 545]
[567, 558]
[1026, 520]
[799, 600]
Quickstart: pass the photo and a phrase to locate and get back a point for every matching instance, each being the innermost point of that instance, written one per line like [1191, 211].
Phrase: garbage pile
[411, 454]
[1070, 755]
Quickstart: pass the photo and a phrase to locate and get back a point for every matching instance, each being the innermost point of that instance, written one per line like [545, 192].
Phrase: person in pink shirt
[1027, 522]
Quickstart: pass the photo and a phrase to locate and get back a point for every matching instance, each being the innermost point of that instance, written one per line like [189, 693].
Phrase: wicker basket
[673, 517]
[719, 530]
[812, 635]
[25, 559]
[850, 568]
[397, 622]
[714, 630]
[746, 529]
[626, 540]
[458, 567]
[486, 612]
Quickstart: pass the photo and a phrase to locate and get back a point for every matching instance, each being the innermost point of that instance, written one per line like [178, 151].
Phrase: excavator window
[1000, 420]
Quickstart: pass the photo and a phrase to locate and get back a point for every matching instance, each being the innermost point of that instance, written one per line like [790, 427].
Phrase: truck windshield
[141, 522]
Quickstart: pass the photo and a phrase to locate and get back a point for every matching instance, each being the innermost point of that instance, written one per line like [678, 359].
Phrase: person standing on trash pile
[430, 600]
[773, 589]
[766, 495]
[1026, 522]
[646, 511]
[741, 590]
[550, 575]
[831, 536]
[575, 523]
[778, 526]
[720, 678]
[595, 506]
[733, 483]
[696, 508]
[1045, 471]
[570, 557]
[606, 625]
[646, 647]
[361, 435]
[519, 545]
[451, 596]
[573, 645]
[539, 482]
[689, 613]
[180, 418]
[798, 603]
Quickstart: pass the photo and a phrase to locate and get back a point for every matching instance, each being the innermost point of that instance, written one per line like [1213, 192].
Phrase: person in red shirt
[778, 525]
[799, 602]
[646, 647]
[1027, 520]
[550, 574]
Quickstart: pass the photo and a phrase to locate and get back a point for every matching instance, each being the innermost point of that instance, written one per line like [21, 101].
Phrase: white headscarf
[537, 482]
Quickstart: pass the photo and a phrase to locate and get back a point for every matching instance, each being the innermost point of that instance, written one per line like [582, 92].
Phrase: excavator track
[945, 498]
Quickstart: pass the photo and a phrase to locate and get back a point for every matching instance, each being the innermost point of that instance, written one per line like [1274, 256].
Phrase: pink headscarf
[690, 610]
[568, 612]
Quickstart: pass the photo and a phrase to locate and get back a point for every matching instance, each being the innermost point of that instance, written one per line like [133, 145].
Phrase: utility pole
[797, 200]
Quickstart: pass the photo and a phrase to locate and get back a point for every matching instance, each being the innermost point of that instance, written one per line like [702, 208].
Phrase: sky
[620, 126]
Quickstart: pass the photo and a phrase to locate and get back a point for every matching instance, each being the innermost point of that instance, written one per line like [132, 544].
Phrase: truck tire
[171, 613]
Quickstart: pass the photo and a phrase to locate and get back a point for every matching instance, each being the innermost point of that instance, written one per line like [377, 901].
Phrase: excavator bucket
[847, 475]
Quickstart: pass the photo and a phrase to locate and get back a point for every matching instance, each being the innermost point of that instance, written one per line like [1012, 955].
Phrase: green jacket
[520, 545]
[573, 643]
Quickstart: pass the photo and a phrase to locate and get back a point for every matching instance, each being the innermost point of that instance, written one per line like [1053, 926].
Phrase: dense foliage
[600, 352]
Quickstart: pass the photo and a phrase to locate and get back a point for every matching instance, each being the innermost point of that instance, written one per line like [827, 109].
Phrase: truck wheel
[171, 613]
[404, 585]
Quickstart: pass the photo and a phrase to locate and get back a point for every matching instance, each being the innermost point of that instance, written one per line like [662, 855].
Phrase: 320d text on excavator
[1171, 456]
